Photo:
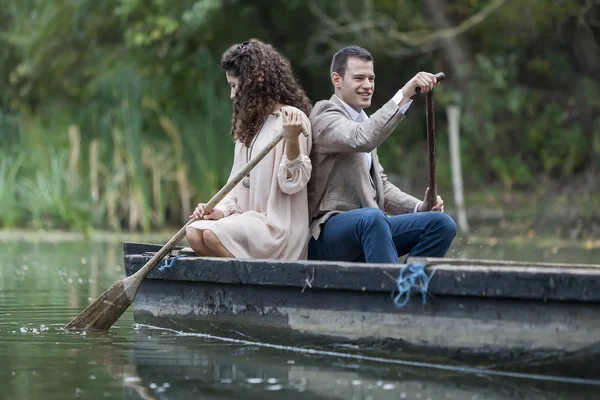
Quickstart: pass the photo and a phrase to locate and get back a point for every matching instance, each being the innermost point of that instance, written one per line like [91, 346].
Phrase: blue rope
[170, 264]
[407, 280]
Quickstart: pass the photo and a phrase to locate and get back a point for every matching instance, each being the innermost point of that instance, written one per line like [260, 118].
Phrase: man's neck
[346, 103]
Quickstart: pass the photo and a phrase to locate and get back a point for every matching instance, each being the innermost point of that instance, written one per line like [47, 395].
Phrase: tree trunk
[456, 49]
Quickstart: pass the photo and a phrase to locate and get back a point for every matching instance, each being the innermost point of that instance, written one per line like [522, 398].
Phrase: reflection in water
[195, 365]
[48, 284]
[117, 364]
[93, 280]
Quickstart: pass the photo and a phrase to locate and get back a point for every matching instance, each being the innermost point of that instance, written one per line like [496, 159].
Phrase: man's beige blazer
[340, 180]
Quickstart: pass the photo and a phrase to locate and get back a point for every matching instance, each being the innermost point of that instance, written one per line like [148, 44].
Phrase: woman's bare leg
[214, 245]
[196, 240]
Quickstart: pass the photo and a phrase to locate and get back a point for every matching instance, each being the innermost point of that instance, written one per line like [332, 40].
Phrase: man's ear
[336, 79]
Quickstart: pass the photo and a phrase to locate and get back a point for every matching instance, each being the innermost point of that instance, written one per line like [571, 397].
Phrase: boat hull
[344, 304]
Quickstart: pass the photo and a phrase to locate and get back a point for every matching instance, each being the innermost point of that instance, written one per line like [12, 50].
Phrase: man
[349, 194]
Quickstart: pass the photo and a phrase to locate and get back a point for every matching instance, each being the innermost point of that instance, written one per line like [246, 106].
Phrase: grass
[49, 201]
[10, 210]
[139, 178]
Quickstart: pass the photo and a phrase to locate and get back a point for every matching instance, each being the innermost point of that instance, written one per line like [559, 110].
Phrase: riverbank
[563, 215]
[562, 209]
[479, 235]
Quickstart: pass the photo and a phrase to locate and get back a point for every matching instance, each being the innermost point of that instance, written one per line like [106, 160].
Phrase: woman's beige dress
[268, 220]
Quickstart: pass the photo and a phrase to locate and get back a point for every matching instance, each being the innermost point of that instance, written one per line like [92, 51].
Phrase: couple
[321, 197]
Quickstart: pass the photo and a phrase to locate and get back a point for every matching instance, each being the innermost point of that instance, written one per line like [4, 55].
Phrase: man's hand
[199, 213]
[423, 80]
[439, 205]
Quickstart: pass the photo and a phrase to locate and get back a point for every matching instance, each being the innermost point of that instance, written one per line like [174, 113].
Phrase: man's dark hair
[340, 59]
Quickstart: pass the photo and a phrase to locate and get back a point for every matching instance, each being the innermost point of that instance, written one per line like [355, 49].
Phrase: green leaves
[201, 11]
[141, 78]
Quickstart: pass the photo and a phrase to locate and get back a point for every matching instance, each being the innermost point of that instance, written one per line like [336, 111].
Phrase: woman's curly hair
[265, 79]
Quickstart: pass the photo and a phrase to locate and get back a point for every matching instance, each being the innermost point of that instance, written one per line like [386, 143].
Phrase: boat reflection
[171, 366]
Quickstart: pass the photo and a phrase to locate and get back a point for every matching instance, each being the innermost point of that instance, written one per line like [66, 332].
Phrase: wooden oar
[429, 113]
[106, 309]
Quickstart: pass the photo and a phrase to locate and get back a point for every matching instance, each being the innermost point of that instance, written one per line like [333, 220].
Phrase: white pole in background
[455, 165]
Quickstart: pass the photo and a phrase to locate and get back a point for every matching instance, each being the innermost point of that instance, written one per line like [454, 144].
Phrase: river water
[44, 284]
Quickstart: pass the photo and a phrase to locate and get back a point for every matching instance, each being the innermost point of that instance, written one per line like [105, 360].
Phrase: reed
[47, 199]
[94, 185]
[123, 162]
[75, 154]
[10, 170]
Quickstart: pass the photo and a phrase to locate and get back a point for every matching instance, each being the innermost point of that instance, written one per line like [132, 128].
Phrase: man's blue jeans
[369, 235]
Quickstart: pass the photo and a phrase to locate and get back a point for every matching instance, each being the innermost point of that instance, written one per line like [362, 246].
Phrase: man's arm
[334, 132]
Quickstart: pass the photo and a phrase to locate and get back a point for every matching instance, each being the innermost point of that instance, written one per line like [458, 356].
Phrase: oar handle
[243, 172]
[166, 249]
[430, 116]
[240, 175]
[439, 77]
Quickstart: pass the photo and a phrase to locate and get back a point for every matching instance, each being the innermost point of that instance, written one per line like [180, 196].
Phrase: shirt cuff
[292, 163]
[398, 98]
[224, 209]
[417, 206]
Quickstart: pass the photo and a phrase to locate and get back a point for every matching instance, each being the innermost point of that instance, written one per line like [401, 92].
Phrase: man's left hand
[439, 205]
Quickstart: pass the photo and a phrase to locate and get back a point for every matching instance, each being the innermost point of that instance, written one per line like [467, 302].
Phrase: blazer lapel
[337, 101]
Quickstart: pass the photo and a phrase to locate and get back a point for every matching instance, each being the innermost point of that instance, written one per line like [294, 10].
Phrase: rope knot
[412, 276]
[170, 264]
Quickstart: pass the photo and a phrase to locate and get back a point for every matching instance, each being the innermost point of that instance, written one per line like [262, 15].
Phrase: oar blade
[106, 309]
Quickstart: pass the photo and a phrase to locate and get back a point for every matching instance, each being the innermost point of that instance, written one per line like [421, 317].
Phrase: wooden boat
[473, 307]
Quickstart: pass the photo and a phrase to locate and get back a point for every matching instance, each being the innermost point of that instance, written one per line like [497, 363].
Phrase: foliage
[9, 172]
[114, 114]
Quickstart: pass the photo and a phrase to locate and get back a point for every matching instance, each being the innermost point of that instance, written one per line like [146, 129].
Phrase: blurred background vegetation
[114, 114]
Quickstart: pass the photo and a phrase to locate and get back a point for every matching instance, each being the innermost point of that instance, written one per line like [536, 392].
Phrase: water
[43, 285]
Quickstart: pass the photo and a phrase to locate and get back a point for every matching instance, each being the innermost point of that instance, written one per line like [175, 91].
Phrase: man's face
[357, 85]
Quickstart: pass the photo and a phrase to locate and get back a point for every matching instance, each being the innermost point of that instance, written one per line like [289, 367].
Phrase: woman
[266, 215]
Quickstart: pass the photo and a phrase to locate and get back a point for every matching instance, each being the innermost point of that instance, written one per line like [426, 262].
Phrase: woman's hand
[199, 213]
[292, 124]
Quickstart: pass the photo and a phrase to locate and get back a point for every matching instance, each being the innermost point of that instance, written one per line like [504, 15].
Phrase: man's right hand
[199, 213]
[423, 80]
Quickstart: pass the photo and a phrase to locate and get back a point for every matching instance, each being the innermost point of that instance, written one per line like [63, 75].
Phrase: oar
[429, 113]
[106, 309]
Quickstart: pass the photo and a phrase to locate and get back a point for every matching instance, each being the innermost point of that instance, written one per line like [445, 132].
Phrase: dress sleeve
[293, 175]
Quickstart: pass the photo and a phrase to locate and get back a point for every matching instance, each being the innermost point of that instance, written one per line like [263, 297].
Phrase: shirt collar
[352, 112]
